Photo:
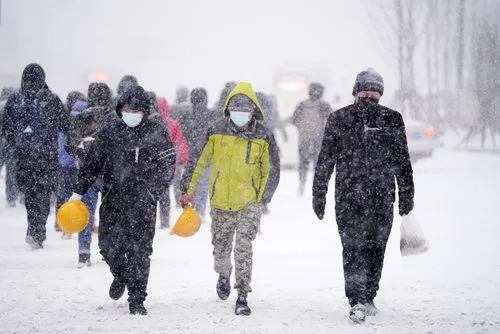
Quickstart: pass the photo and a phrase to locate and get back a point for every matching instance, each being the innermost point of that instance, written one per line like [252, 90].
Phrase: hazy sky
[191, 42]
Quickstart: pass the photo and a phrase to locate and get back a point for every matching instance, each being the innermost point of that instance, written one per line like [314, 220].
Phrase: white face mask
[132, 119]
[240, 118]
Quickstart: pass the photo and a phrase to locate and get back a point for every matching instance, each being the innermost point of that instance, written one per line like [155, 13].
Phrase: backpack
[32, 129]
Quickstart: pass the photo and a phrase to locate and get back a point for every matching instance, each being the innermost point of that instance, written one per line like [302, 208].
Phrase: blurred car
[422, 139]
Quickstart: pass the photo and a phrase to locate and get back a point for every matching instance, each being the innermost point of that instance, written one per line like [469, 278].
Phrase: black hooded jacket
[34, 116]
[93, 119]
[366, 143]
[137, 163]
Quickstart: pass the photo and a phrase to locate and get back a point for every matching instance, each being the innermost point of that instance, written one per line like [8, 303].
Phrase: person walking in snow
[68, 168]
[86, 125]
[7, 154]
[181, 106]
[366, 143]
[32, 121]
[182, 150]
[73, 97]
[126, 82]
[197, 119]
[137, 160]
[310, 118]
[244, 170]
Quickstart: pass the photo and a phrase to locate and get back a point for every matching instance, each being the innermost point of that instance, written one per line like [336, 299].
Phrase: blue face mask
[240, 118]
[132, 119]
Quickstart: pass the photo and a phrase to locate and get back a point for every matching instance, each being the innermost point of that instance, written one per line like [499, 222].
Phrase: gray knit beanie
[368, 80]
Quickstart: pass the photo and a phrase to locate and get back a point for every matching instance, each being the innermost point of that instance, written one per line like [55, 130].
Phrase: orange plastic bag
[188, 223]
[72, 216]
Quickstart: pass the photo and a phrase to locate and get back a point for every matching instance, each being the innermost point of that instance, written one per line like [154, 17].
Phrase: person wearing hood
[126, 82]
[33, 118]
[366, 144]
[244, 171]
[93, 119]
[73, 97]
[310, 118]
[86, 125]
[68, 168]
[7, 154]
[137, 160]
[182, 151]
[219, 105]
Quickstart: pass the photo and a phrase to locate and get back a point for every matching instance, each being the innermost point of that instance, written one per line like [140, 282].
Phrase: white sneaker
[357, 314]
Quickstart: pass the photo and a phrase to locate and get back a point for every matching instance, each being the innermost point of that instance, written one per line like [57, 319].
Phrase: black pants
[8, 159]
[364, 233]
[126, 243]
[37, 202]
[36, 177]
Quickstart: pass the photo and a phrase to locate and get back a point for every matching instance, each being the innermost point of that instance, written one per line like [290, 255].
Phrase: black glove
[405, 206]
[319, 203]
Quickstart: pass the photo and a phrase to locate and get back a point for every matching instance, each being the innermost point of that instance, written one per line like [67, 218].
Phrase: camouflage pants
[245, 225]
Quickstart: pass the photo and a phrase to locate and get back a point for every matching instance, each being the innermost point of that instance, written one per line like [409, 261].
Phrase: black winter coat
[31, 125]
[137, 166]
[366, 142]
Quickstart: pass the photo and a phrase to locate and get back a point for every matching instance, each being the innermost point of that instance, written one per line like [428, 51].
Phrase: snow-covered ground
[298, 280]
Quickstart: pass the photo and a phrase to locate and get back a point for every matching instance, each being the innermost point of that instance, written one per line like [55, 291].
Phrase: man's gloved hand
[186, 200]
[75, 197]
[319, 203]
[405, 207]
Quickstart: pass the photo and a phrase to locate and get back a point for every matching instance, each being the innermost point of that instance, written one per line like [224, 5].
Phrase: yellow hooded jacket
[244, 165]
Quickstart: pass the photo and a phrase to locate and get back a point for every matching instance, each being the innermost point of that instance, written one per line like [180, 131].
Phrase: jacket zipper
[249, 149]
[213, 185]
[255, 189]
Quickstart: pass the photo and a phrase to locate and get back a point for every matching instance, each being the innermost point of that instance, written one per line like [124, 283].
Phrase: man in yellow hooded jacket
[244, 172]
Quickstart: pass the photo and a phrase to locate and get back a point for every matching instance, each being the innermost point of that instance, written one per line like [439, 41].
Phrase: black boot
[223, 287]
[84, 260]
[116, 289]
[242, 305]
[137, 308]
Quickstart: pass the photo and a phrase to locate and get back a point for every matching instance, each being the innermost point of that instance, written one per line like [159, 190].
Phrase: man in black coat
[33, 118]
[366, 142]
[137, 160]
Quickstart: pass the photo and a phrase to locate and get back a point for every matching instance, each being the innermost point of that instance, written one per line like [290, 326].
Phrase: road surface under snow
[298, 279]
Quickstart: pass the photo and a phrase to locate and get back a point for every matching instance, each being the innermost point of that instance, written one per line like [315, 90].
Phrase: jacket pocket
[214, 184]
[253, 152]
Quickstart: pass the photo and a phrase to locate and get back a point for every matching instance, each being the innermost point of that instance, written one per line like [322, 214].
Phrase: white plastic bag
[413, 240]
